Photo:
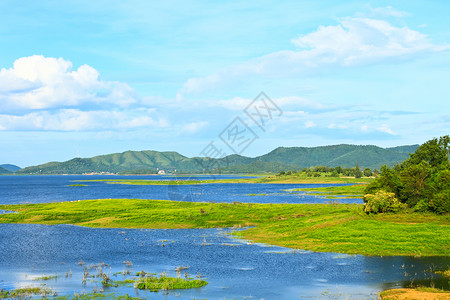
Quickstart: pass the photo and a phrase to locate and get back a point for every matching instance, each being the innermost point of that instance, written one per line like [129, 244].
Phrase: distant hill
[11, 168]
[339, 155]
[4, 171]
[279, 159]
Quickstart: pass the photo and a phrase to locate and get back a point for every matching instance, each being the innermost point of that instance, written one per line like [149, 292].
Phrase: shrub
[381, 202]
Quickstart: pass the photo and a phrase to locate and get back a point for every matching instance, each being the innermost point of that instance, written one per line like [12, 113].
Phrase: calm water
[235, 269]
[38, 189]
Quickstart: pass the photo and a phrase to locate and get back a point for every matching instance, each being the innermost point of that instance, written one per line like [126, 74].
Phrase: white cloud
[337, 126]
[236, 103]
[239, 103]
[385, 128]
[310, 124]
[352, 42]
[194, 126]
[388, 11]
[39, 82]
[77, 120]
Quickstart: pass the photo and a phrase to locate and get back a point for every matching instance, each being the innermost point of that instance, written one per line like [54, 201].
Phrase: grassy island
[341, 228]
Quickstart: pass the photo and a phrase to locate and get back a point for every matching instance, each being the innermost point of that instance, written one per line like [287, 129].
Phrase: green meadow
[343, 228]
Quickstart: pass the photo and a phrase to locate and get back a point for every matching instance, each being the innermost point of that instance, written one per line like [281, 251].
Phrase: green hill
[339, 155]
[279, 159]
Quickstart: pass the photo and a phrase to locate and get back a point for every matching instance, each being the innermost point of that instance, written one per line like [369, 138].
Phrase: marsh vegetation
[341, 228]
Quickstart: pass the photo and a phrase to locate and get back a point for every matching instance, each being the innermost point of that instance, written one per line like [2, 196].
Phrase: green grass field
[318, 227]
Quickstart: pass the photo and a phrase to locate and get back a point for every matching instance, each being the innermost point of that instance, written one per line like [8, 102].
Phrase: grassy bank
[318, 227]
[417, 293]
[267, 179]
[344, 191]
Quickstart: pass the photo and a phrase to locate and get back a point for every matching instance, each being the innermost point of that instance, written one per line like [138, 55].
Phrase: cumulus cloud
[38, 82]
[48, 94]
[354, 41]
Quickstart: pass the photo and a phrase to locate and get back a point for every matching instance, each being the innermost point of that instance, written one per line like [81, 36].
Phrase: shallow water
[39, 189]
[235, 269]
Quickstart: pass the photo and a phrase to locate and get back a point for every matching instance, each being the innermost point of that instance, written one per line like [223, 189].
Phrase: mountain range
[282, 158]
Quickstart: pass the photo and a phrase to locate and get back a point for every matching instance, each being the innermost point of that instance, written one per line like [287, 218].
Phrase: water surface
[235, 269]
[41, 189]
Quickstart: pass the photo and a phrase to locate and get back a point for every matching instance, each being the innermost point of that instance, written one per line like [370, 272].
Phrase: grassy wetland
[343, 228]
[301, 178]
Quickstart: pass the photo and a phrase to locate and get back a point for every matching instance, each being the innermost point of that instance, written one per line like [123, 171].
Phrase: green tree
[367, 172]
[358, 173]
[415, 185]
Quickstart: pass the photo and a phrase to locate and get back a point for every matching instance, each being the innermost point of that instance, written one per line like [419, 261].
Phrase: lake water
[39, 189]
[235, 269]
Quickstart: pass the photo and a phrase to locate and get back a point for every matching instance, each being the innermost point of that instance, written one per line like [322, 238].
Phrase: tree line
[421, 182]
[319, 171]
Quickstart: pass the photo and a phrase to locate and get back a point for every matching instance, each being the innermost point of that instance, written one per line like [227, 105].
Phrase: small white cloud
[388, 11]
[299, 113]
[337, 126]
[385, 128]
[236, 103]
[310, 124]
[365, 128]
[38, 82]
[194, 126]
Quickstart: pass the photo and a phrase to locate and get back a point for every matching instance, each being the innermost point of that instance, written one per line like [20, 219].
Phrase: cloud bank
[38, 82]
[353, 42]
[46, 93]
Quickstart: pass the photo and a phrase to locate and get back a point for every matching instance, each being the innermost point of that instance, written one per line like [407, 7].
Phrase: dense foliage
[324, 171]
[422, 181]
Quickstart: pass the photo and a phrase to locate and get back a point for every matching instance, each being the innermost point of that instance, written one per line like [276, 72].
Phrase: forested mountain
[4, 171]
[339, 155]
[279, 159]
[9, 167]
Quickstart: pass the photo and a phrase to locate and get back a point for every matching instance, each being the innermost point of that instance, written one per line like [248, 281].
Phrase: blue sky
[96, 77]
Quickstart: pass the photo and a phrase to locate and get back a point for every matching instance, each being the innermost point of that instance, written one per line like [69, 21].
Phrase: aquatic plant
[155, 284]
[27, 292]
[45, 277]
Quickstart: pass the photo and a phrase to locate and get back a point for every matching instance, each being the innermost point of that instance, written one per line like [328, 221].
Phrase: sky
[212, 78]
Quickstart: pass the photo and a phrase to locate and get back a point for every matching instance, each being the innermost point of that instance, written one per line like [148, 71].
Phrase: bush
[381, 202]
